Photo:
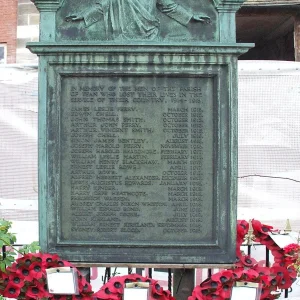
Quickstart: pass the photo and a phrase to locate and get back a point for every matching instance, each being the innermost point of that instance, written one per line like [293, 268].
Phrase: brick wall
[28, 31]
[8, 27]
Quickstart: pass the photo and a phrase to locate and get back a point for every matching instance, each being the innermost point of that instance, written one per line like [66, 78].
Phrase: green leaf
[2, 266]
[10, 258]
[6, 240]
[33, 247]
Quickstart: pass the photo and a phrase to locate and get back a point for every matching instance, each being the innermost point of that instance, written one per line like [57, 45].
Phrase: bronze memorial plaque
[138, 131]
[136, 172]
[137, 160]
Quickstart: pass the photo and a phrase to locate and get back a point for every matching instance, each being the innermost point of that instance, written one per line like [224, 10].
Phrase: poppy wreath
[26, 278]
[114, 288]
[292, 256]
[280, 275]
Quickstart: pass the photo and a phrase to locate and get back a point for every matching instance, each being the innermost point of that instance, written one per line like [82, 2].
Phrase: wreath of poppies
[26, 277]
[114, 288]
[292, 254]
[280, 275]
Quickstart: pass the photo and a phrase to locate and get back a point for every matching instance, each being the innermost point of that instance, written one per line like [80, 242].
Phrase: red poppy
[262, 228]
[64, 263]
[36, 270]
[291, 249]
[103, 295]
[25, 274]
[240, 260]
[203, 293]
[210, 284]
[284, 282]
[213, 296]
[225, 292]
[281, 263]
[50, 260]
[282, 277]
[262, 270]
[83, 284]
[4, 277]
[157, 289]
[251, 274]
[24, 261]
[86, 288]
[265, 280]
[59, 297]
[115, 285]
[277, 253]
[248, 261]
[237, 273]
[167, 294]
[81, 297]
[133, 278]
[35, 257]
[279, 271]
[292, 272]
[16, 279]
[197, 291]
[12, 268]
[223, 276]
[242, 229]
[11, 290]
[36, 292]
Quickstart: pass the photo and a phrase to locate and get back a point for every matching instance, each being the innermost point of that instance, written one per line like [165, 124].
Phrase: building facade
[273, 25]
[19, 24]
[8, 31]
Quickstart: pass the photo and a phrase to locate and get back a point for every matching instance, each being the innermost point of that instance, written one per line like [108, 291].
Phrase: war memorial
[138, 131]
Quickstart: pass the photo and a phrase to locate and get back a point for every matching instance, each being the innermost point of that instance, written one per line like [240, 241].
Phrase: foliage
[7, 240]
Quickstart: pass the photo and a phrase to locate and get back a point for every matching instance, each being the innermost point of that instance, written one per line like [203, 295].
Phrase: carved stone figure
[134, 19]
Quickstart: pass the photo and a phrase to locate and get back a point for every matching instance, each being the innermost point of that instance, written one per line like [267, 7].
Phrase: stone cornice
[228, 5]
[47, 5]
[136, 49]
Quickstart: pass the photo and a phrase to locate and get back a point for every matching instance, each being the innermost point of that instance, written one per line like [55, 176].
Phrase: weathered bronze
[133, 19]
[137, 131]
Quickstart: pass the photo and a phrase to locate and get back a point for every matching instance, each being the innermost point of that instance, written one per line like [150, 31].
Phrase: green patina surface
[138, 130]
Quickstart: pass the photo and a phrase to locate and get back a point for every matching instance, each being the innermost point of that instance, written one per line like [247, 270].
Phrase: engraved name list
[132, 162]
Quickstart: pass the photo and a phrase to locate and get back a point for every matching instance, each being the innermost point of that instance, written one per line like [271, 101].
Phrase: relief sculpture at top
[134, 19]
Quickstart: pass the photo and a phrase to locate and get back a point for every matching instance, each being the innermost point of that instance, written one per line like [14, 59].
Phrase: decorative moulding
[229, 5]
[47, 5]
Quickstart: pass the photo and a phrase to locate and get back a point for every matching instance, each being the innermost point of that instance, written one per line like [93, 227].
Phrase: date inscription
[137, 159]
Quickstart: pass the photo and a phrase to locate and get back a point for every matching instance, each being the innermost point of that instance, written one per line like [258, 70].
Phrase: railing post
[183, 283]
[86, 273]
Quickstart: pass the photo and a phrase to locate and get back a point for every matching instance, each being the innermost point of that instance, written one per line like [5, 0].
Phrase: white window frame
[4, 60]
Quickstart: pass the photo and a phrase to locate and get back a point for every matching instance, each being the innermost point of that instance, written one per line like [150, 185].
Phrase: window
[3, 53]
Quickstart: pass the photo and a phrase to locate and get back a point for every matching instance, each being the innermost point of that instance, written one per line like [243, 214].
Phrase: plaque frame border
[59, 241]
[227, 240]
